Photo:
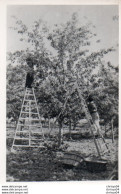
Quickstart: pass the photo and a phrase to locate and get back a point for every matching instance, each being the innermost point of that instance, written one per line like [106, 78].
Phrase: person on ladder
[95, 116]
[30, 74]
[29, 79]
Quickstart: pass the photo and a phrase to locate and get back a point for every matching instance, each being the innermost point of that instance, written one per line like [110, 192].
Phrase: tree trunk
[60, 134]
[112, 130]
[49, 124]
[74, 125]
[70, 129]
[105, 130]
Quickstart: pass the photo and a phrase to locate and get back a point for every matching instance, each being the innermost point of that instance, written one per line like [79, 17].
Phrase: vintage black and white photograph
[62, 92]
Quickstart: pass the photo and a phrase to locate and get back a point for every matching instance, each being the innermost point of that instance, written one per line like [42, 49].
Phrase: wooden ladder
[29, 131]
[98, 143]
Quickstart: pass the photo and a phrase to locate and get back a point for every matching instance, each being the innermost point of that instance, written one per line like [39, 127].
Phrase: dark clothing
[29, 80]
[92, 108]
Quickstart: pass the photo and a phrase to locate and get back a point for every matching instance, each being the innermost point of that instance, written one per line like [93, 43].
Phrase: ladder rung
[35, 140]
[22, 131]
[27, 106]
[21, 145]
[29, 131]
[24, 112]
[29, 94]
[37, 146]
[29, 100]
[23, 125]
[32, 128]
[24, 138]
[27, 125]
[29, 119]
[36, 125]
[34, 113]
[34, 119]
[32, 133]
[28, 113]
[39, 125]
[28, 146]
[20, 118]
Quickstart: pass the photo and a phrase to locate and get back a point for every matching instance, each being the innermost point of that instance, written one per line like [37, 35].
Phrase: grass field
[43, 164]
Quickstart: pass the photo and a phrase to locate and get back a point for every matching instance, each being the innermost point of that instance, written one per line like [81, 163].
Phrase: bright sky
[102, 16]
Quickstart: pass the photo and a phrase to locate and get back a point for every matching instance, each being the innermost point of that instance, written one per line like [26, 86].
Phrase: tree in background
[15, 89]
[56, 74]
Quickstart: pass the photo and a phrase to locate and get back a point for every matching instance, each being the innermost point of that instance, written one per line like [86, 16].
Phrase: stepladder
[29, 132]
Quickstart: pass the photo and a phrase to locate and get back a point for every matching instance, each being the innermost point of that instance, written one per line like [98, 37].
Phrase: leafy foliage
[15, 89]
[56, 73]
